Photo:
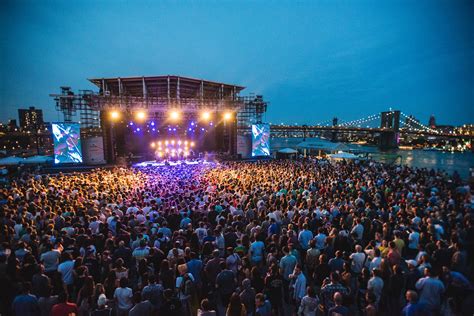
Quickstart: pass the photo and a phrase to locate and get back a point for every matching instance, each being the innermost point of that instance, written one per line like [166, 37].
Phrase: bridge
[389, 126]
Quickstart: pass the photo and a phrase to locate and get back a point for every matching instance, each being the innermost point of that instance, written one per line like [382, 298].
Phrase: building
[30, 119]
[432, 121]
[11, 126]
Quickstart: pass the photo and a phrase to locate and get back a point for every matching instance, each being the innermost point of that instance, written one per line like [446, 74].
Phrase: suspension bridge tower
[390, 125]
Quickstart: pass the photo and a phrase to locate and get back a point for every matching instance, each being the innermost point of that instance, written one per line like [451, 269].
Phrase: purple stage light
[131, 123]
[152, 123]
[169, 129]
[174, 129]
[192, 123]
[138, 129]
[189, 129]
[202, 129]
[153, 129]
[211, 123]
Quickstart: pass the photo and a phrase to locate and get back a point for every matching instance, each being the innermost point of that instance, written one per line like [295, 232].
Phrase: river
[447, 161]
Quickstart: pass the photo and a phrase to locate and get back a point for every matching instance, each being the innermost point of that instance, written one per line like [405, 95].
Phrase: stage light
[138, 129]
[179, 143]
[167, 150]
[205, 116]
[140, 115]
[172, 142]
[227, 116]
[152, 123]
[115, 115]
[192, 144]
[186, 143]
[160, 154]
[153, 145]
[159, 143]
[166, 142]
[174, 115]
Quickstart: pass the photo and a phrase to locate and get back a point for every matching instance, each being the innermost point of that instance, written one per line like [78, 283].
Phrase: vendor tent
[288, 151]
[12, 160]
[344, 155]
[322, 144]
[38, 159]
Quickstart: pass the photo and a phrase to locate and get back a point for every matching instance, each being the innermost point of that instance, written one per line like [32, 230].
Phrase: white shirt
[375, 263]
[124, 297]
[376, 285]
[358, 259]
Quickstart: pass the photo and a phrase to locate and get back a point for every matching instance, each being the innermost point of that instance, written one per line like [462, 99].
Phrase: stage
[155, 163]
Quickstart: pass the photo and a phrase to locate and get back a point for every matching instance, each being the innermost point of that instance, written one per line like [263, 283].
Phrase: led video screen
[67, 143]
[260, 140]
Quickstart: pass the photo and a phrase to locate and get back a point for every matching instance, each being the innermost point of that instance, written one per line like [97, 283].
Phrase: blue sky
[311, 60]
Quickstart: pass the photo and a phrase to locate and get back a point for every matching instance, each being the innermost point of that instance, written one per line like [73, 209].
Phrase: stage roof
[171, 86]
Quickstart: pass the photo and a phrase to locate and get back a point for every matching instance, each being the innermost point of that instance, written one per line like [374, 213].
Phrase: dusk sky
[311, 60]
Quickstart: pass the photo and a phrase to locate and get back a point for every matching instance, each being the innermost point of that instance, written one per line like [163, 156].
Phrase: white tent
[38, 159]
[344, 155]
[322, 144]
[288, 151]
[12, 160]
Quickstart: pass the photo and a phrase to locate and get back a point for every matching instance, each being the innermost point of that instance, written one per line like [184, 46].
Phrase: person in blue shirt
[165, 230]
[304, 237]
[274, 228]
[257, 252]
[287, 265]
[413, 307]
[26, 303]
[194, 267]
[185, 221]
[263, 306]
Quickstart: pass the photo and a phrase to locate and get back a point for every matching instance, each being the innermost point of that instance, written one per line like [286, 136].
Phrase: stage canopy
[170, 86]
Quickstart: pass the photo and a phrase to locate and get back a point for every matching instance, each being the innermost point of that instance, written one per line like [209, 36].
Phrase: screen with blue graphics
[260, 140]
[67, 143]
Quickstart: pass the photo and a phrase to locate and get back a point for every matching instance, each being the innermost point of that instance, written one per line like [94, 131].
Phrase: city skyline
[346, 59]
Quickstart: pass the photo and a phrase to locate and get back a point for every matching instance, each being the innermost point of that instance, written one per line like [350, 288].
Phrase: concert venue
[281, 158]
[164, 119]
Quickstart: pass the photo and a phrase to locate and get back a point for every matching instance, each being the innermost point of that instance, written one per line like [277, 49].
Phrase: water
[447, 161]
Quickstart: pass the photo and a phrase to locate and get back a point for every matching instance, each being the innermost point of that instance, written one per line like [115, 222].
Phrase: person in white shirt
[357, 259]
[430, 289]
[94, 226]
[358, 230]
[413, 241]
[123, 297]
[376, 261]
[375, 285]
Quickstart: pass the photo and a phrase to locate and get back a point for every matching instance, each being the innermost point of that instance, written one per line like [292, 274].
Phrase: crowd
[238, 238]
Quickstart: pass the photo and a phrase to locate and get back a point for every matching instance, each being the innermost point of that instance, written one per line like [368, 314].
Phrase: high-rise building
[30, 119]
[432, 121]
